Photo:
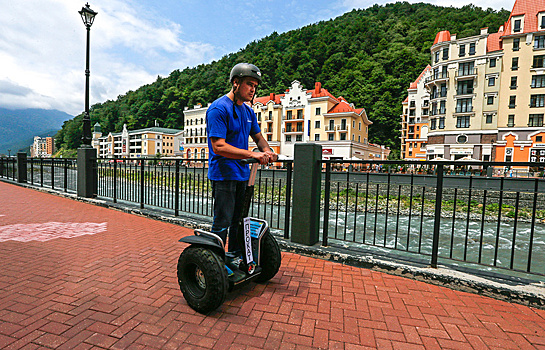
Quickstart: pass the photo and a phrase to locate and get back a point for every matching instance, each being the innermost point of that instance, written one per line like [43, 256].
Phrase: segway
[206, 273]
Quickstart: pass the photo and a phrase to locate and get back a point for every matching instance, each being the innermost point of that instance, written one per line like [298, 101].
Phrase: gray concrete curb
[516, 290]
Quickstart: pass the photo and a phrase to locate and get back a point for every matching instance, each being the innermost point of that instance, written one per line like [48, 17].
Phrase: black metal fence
[54, 173]
[182, 185]
[463, 212]
[8, 168]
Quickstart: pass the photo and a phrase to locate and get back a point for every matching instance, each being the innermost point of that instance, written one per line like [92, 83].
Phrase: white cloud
[42, 53]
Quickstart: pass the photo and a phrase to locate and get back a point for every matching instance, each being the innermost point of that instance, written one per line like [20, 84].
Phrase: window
[517, 27]
[539, 41]
[537, 100]
[490, 100]
[543, 22]
[343, 136]
[512, 101]
[343, 124]
[299, 126]
[513, 85]
[538, 80]
[472, 48]
[269, 137]
[443, 91]
[299, 114]
[316, 137]
[491, 81]
[462, 121]
[539, 138]
[538, 61]
[462, 51]
[330, 137]
[489, 119]
[353, 124]
[516, 44]
[288, 115]
[436, 56]
[445, 53]
[492, 62]
[535, 120]
[288, 127]
[465, 68]
[298, 138]
[270, 115]
[318, 111]
[442, 123]
[288, 138]
[464, 105]
[331, 125]
[317, 124]
[511, 120]
[461, 139]
[442, 107]
[359, 126]
[465, 87]
[514, 63]
[259, 116]
[433, 124]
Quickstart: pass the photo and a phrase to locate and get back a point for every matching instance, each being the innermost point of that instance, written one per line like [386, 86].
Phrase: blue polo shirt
[221, 123]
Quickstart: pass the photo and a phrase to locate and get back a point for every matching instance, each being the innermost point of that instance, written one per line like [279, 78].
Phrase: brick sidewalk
[112, 284]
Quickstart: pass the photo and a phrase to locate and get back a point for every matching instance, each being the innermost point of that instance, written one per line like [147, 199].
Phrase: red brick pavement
[117, 289]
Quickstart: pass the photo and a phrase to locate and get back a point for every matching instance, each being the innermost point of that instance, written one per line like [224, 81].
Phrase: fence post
[21, 167]
[289, 170]
[142, 183]
[87, 172]
[306, 193]
[177, 190]
[437, 219]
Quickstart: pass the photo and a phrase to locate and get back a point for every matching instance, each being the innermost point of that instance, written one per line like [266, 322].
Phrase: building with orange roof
[299, 115]
[487, 92]
[522, 93]
[414, 119]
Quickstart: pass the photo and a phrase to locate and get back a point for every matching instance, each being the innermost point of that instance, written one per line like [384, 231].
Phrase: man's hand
[265, 157]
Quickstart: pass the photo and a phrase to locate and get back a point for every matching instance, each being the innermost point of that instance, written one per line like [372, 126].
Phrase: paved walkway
[78, 276]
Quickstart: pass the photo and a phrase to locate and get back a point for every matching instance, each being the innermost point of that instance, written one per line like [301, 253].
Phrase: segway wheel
[270, 259]
[203, 279]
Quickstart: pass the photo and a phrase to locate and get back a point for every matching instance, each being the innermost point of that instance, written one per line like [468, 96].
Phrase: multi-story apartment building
[138, 143]
[414, 120]
[487, 99]
[298, 115]
[42, 147]
[463, 89]
[522, 93]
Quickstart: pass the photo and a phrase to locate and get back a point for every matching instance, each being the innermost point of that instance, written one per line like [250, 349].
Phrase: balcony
[466, 73]
[293, 118]
[464, 110]
[331, 128]
[441, 76]
[292, 131]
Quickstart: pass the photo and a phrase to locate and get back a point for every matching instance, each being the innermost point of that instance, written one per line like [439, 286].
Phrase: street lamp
[88, 17]
[9, 153]
[87, 163]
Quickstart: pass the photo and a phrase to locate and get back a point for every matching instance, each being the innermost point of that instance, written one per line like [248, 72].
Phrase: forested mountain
[367, 56]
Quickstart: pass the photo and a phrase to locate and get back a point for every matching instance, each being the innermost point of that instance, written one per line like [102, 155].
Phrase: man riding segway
[205, 271]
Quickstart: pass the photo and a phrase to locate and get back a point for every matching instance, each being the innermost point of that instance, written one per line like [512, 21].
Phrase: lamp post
[9, 153]
[88, 17]
[87, 156]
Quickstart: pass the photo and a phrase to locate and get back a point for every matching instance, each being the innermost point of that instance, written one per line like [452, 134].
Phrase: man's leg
[234, 234]
[224, 193]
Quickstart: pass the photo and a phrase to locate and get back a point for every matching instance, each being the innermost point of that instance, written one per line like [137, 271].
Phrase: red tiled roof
[530, 9]
[442, 36]
[265, 99]
[415, 83]
[493, 42]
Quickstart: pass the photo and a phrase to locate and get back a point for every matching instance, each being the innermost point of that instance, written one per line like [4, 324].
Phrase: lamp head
[87, 15]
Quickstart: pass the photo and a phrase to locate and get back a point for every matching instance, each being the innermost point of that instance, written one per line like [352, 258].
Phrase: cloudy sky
[42, 42]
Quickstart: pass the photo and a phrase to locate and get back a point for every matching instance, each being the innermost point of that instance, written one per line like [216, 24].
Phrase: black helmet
[245, 70]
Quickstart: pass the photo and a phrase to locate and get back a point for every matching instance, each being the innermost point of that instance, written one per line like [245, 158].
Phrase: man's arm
[226, 150]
